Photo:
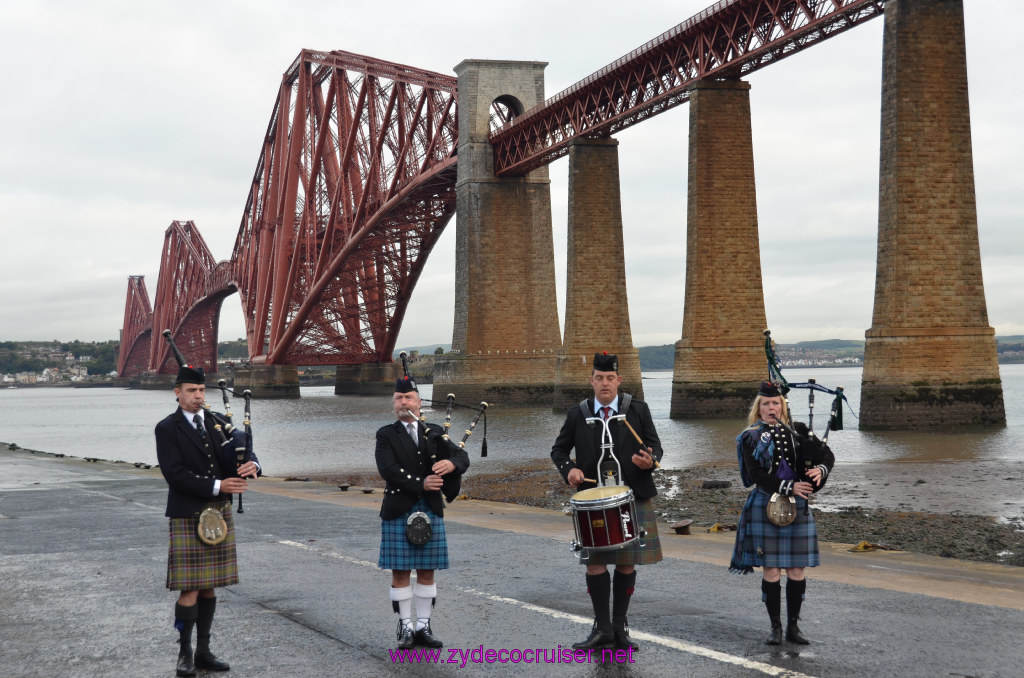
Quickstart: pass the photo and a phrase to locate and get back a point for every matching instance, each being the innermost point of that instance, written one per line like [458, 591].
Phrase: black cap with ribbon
[406, 384]
[187, 374]
[606, 363]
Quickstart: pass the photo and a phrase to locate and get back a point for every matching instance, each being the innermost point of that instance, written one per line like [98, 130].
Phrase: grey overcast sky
[120, 116]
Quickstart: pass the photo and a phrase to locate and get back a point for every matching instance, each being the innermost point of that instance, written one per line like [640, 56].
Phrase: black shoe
[793, 635]
[185, 666]
[425, 638]
[207, 660]
[776, 637]
[623, 641]
[406, 637]
[597, 640]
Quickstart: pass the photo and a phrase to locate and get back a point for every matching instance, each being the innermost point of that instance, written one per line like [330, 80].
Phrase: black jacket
[189, 466]
[586, 439]
[403, 467]
[801, 449]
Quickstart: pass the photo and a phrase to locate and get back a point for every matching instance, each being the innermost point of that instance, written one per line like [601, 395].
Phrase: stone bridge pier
[596, 308]
[930, 355]
[720, 359]
[506, 337]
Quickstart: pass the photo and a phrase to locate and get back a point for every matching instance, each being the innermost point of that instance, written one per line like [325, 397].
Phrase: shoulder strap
[624, 405]
[587, 412]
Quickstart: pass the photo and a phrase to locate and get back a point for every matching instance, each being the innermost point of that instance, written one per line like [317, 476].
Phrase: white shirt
[613, 404]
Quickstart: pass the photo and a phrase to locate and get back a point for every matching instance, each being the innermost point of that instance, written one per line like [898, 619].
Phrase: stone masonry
[930, 355]
[596, 308]
[506, 335]
[720, 359]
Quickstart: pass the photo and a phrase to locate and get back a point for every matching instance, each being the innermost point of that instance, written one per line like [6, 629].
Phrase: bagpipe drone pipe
[835, 418]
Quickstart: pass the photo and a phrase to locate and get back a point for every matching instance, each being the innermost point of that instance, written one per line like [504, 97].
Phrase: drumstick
[589, 480]
[640, 440]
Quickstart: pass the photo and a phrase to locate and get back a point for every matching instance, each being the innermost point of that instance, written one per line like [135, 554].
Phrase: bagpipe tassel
[483, 444]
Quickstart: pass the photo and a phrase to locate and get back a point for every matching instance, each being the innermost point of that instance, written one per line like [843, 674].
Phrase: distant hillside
[657, 357]
[828, 344]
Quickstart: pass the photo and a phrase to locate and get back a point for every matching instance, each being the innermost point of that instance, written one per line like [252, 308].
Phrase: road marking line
[672, 643]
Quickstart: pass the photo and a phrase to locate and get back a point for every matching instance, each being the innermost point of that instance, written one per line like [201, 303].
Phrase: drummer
[611, 630]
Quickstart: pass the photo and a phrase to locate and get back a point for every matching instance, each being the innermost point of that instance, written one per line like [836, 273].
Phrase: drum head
[600, 493]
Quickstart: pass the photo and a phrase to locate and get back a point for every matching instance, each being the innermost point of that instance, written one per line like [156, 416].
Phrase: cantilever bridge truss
[356, 181]
[354, 184]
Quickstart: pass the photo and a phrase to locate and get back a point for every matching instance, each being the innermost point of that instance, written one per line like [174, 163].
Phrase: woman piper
[793, 464]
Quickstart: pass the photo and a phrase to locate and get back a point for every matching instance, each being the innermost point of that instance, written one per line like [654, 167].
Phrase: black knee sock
[794, 598]
[204, 621]
[622, 588]
[599, 586]
[184, 621]
[771, 594]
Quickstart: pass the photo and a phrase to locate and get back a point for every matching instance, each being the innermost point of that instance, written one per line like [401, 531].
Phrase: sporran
[417, 529]
[781, 510]
[212, 528]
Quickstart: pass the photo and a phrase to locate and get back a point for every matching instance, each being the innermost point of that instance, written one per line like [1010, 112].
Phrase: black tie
[199, 427]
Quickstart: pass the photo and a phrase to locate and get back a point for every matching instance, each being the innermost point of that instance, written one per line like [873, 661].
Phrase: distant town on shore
[86, 362]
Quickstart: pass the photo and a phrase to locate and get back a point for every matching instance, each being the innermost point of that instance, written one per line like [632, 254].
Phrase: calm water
[322, 432]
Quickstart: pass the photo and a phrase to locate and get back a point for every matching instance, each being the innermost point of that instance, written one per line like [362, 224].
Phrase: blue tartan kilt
[396, 553]
[195, 566]
[761, 543]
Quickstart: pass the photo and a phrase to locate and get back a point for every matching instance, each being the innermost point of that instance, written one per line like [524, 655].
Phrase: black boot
[204, 621]
[601, 635]
[771, 594]
[184, 621]
[794, 599]
[406, 637]
[622, 591]
[426, 637]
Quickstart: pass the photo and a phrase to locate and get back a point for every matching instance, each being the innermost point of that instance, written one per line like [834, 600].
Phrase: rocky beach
[929, 508]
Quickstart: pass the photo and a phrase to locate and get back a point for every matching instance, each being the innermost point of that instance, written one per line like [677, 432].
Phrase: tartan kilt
[761, 543]
[397, 553]
[633, 554]
[193, 565]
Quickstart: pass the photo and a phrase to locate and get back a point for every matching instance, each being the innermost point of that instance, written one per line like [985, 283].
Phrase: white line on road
[672, 643]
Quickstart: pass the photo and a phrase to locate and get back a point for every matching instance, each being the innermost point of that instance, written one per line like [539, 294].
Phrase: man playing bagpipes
[198, 461]
[418, 464]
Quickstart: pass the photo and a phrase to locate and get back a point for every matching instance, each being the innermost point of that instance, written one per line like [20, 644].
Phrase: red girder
[133, 356]
[353, 187]
[356, 181]
[187, 302]
[725, 41]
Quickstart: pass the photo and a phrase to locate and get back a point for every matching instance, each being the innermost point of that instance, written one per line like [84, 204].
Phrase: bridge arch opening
[505, 108]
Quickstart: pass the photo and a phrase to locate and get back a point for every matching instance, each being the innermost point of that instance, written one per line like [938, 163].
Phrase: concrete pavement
[83, 559]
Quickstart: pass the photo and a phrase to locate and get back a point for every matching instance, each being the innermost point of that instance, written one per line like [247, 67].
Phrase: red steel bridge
[356, 181]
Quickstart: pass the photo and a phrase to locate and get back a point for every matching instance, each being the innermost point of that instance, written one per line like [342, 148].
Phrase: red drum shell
[604, 517]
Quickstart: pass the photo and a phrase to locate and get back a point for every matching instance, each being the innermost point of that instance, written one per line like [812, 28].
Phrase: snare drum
[604, 518]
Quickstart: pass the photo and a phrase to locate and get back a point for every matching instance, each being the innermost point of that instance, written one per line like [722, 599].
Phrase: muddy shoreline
[918, 508]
